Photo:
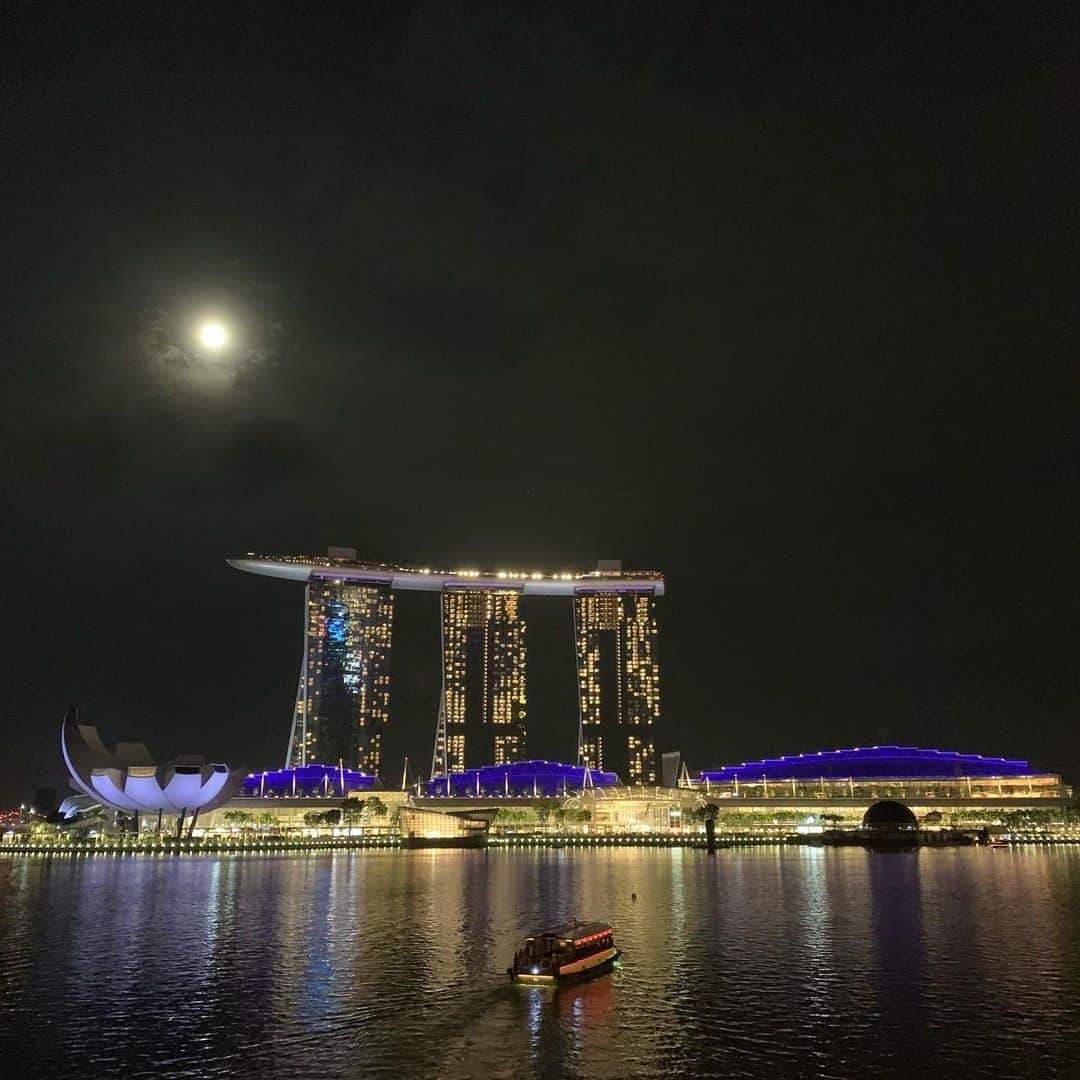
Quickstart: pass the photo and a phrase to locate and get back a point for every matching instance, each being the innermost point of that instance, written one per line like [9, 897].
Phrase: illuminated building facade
[343, 701]
[307, 781]
[615, 636]
[538, 779]
[126, 778]
[483, 709]
[911, 773]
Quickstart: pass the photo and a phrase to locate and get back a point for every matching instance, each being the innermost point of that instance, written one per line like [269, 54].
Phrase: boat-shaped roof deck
[533, 583]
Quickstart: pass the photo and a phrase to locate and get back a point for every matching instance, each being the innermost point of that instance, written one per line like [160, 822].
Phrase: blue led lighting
[520, 778]
[308, 781]
[873, 762]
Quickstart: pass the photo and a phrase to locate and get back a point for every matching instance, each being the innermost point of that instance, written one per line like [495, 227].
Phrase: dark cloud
[265, 454]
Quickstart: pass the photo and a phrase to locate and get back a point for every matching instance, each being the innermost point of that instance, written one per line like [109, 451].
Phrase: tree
[508, 815]
[375, 806]
[352, 811]
[237, 817]
[708, 814]
[45, 802]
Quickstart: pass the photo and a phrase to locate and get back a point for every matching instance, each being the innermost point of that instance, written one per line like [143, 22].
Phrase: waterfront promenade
[135, 846]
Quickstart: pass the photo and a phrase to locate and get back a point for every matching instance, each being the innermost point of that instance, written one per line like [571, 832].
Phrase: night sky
[778, 301]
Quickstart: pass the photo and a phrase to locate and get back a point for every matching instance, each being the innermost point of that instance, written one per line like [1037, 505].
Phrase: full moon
[213, 335]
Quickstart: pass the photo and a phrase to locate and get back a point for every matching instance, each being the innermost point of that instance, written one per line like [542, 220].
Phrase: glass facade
[904, 788]
[484, 706]
[343, 701]
[907, 773]
[615, 635]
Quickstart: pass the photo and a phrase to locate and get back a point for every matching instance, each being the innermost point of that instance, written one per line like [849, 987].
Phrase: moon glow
[213, 336]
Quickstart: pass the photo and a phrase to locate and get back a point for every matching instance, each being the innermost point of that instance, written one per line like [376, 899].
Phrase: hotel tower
[343, 700]
[618, 683]
[483, 708]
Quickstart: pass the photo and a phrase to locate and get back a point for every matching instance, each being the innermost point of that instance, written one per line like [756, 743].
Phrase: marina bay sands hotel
[343, 700]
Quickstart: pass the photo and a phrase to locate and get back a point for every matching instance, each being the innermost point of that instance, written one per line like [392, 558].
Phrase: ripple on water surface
[762, 962]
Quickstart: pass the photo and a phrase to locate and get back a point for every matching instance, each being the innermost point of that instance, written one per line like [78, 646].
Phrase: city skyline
[773, 303]
[342, 707]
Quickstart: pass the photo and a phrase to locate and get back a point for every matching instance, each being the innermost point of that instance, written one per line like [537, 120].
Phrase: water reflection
[761, 962]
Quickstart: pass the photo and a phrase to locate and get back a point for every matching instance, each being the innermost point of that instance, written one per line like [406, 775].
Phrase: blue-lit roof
[520, 778]
[307, 780]
[870, 762]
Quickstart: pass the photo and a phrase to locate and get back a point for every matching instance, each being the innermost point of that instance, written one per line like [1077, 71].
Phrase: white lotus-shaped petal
[127, 779]
[108, 784]
[142, 787]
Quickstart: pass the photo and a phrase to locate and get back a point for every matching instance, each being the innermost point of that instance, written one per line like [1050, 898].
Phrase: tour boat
[565, 954]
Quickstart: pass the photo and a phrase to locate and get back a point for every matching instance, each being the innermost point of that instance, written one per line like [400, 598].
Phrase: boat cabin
[564, 952]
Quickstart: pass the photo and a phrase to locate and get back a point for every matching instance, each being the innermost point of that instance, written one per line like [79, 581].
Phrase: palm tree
[237, 817]
[708, 813]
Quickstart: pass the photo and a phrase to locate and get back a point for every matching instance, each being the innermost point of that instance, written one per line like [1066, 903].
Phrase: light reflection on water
[762, 962]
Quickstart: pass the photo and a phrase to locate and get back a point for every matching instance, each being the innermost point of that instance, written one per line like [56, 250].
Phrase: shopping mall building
[832, 787]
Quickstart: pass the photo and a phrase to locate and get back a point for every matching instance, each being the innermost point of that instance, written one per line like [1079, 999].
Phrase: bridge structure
[343, 694]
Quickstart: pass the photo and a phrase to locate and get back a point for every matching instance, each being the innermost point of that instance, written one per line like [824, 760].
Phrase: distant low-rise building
[519, 778]
[908, 773]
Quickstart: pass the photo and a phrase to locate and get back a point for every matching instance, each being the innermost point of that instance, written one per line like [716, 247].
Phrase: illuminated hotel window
[484, 676]
[344, 699]
[618, 682]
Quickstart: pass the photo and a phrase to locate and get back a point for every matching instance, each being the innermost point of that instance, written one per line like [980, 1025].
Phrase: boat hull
[587, 968]
[414, 842]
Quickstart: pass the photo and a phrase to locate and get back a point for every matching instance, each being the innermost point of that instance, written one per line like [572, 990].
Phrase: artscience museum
[127, 778]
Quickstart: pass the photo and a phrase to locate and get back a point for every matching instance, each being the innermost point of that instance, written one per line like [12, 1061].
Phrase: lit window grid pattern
[632, 620]
[349, 628]
[594, 613]
[455, 750]
[508, 748]
[496, 616]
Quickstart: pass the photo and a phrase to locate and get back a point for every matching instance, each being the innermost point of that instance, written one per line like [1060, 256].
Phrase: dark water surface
[762, 962]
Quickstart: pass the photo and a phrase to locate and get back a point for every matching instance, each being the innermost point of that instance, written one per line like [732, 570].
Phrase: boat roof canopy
[578, 930]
